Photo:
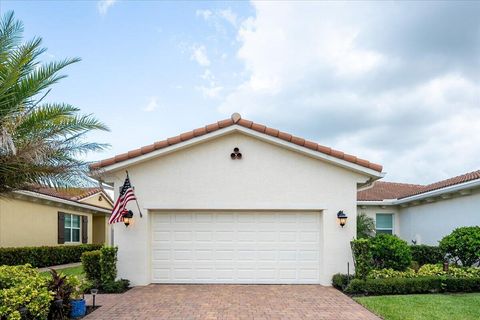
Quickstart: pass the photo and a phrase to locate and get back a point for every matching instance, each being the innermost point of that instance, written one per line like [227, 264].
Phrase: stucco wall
[95, 200]
[268, 177]
[26, 223]
[371, 212]
[429, 223]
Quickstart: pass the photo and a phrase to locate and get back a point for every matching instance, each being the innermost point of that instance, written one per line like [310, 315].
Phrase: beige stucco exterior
[31, 221]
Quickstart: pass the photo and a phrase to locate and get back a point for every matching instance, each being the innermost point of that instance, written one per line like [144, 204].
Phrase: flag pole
[136, 201]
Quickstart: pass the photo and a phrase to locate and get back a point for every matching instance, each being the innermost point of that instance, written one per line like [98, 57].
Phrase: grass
[424, 306]
[72, 271]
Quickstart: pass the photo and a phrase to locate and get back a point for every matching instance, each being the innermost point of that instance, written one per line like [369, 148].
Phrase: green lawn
[73, 271]
[424, 306]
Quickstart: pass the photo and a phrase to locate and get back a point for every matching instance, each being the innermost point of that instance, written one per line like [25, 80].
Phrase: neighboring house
[46, 217]
[237, 202]
[423, 214]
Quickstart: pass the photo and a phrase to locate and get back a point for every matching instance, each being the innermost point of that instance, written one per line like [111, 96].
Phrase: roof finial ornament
[236, 117]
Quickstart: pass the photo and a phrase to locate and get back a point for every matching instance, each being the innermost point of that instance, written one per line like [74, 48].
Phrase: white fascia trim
[62, 201]
[388, 202]
[434, 193]
[429, 194]
[249, 132]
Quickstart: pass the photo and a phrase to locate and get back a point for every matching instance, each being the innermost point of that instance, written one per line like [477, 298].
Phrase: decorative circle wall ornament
[236, 154]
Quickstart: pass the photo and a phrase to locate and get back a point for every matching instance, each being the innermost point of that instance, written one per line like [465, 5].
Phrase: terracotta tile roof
[382, 190]
[74, 194]
[474, 175]
[236, 120]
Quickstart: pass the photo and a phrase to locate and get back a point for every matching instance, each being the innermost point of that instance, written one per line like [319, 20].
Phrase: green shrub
[390, 273]
[389, 251]
[365, 226]
[462, 284]
[340, 281]
[464, 272]
[108, 265]
[45, 256]
[23, 287]
[462, 245]
[396, 286]
[91, 266]
[431, 270]
[117, 286]
[424, 254]
[362, 256]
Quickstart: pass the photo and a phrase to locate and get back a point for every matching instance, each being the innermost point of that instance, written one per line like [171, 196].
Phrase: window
[384, 223]
[72, 228]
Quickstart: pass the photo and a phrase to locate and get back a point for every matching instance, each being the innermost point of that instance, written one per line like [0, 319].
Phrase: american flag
[126, 195]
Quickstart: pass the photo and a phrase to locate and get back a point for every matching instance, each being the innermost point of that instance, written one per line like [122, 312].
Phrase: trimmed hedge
[46, 256]
[340, 281]
[424, 254]
[389, 251]
[412, 285]
[91, 266]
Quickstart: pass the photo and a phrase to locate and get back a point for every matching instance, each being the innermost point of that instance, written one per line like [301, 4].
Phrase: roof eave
[237, 128]
[62, 201]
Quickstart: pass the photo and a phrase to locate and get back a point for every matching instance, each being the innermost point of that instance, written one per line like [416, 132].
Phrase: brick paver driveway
[230, 302]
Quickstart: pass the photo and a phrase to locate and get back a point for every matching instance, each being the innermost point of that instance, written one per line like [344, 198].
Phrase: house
[47, 217]
[423, 214]
[237, 202]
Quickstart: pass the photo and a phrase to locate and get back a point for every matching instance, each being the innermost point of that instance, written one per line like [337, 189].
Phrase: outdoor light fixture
[128, 218]
[342, 218]
[94, 293]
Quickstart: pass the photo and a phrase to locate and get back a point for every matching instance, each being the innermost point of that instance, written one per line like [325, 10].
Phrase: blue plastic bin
[79, 308]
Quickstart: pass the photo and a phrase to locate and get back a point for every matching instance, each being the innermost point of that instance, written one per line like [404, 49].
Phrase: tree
[365, 226]
[40, 142]
[462, 246]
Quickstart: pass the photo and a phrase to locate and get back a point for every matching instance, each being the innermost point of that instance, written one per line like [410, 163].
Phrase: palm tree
[40, 143]
[365, 226]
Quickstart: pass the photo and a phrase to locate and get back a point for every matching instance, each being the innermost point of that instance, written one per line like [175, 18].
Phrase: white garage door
[236, 247]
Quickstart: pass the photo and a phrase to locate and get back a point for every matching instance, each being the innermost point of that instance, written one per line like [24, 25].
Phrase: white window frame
[386, 229]
[71, 227]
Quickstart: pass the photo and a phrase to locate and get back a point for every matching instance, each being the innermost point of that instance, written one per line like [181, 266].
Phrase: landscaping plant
[108, 264]
[424, 254]
[44, 256]
[101, 270]
[389, 251]
[62, 290]
[23, 288]
[41, 142]
[91, 267]
[462, 246]
[362, 257]
[365, 226]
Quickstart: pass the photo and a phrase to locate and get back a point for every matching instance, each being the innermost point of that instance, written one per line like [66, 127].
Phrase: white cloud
[229, 16]
[212, 89]
[205, 14]
[218, 17]
[104, 5]
[199, 54]
[373, 80]
[152, 104]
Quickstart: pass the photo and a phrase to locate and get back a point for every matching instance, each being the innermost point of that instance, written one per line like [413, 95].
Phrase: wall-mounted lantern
[128, 218]
[342, 218]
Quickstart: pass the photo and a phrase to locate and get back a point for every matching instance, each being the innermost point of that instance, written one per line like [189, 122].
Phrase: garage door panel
[236, 247]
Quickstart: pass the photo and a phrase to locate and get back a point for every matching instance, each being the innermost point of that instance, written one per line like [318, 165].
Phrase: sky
[397, 83]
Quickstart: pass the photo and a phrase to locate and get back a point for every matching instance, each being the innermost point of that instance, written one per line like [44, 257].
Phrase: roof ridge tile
[237, 120]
